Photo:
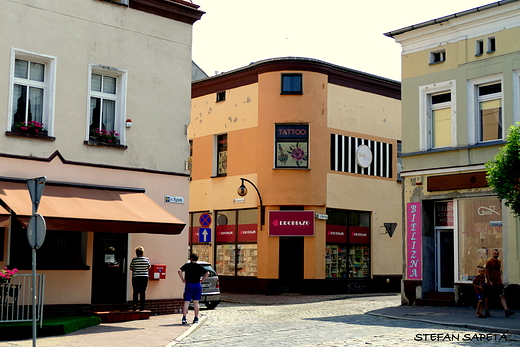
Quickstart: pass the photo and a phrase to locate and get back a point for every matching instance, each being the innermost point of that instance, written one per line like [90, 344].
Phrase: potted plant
[31, 127]
[105, 136]
[6, 274]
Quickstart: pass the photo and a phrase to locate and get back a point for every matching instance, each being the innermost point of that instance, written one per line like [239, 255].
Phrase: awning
[4, 217]
[86, 209]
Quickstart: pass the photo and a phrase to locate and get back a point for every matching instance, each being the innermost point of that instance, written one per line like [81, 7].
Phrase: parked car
[210, 287]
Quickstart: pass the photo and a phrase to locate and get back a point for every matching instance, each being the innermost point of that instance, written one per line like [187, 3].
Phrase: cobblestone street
[339, 322]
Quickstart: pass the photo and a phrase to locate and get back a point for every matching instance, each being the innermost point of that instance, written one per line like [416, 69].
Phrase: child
[478, 285]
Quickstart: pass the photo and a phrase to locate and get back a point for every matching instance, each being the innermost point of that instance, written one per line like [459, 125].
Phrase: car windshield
[210, 269]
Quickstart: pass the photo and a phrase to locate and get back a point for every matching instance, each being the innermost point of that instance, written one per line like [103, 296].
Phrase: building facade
[96, 99]
[460, 89]
[294, 173]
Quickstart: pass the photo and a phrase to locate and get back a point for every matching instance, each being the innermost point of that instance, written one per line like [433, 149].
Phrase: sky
[235, 33]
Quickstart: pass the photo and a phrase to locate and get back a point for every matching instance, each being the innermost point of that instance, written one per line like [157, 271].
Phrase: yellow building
[76, 66]
[460, 79]
[316, 146]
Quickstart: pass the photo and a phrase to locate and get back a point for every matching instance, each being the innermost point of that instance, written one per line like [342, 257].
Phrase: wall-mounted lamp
[242, 191]
[390, 228]
[128, 123]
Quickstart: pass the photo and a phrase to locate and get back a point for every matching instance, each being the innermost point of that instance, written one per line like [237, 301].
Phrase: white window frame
[49, 86]
[479, 47]
[473, 108]
[442, 56]
[120, 98]
[516, 96]
[425, 119]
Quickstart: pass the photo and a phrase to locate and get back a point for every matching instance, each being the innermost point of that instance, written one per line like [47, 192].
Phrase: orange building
[294, 175]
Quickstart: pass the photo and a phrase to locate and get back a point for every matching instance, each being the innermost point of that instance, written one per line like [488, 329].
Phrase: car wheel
[212, 304]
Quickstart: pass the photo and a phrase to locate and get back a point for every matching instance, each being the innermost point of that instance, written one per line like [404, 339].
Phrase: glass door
[445, 262]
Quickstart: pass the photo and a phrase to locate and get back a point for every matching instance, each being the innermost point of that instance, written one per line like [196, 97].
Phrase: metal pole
[33, 289]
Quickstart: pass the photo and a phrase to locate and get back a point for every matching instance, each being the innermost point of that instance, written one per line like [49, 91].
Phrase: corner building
[460, 89]
[316, 147]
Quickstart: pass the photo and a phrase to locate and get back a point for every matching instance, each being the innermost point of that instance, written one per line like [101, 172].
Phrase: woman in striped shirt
[139, 266]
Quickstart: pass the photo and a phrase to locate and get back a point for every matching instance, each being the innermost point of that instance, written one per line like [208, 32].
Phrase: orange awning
[86, 209]
[4, 217]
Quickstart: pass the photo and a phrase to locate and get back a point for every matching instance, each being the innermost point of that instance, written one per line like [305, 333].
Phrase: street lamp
[242, 191]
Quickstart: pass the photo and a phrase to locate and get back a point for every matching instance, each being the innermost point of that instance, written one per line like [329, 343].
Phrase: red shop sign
[225, 233]
[291, 223]
[359, 234]
[336, 233]
[247, 232]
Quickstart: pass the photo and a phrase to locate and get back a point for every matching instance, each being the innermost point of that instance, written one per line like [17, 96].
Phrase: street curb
[188, 332]
[458, 325]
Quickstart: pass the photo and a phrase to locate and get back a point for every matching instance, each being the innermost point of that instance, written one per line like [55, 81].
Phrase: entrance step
[121, 316]
[436, 299]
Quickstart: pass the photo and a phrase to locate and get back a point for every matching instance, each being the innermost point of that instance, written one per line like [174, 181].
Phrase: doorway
[109, 268]
[445, 260]
[291, 264]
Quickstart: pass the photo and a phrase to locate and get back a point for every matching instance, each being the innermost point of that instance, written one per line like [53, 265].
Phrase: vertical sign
[413, 241]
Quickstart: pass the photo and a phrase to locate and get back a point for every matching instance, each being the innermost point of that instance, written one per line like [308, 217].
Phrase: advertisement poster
[413, 241]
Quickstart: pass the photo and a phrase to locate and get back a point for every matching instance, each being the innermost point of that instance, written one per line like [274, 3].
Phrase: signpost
[205, 231]
[35, 235]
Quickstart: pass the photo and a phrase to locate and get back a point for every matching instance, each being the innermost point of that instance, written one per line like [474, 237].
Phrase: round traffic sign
[36, 230]
[205, 219]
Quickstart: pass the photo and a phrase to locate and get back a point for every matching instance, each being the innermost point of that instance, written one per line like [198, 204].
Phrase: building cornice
[336, 75]
[182, 11]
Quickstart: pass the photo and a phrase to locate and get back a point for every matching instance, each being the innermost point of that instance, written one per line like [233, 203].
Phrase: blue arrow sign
[204, 234]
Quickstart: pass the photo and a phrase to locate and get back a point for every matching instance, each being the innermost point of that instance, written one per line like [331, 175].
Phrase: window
[479, 47]
[441, 120]
[437, 57]
[292, 142]
[292, 83]
[33, 92]
[62, 249]
[490, 111]
[222, 144]
[236, 237]
[106, 112]
[221, 96]
[437, 115]
[491, 44]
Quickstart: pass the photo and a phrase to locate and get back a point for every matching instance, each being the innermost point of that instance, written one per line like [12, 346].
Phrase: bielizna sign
[413, 241]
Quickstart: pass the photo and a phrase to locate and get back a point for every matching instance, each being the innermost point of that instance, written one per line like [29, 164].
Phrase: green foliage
[503, 174]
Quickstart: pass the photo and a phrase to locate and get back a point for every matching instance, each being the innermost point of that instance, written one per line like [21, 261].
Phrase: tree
[503, 173]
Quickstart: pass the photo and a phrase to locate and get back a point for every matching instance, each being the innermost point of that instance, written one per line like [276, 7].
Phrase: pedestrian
[495, 285]
[139, 266]
[194, 274]
[478, 285]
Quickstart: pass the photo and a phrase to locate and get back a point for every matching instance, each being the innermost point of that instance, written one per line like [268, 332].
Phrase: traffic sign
[35, 186]
[205, 219]
[204, 234]
[36, 230]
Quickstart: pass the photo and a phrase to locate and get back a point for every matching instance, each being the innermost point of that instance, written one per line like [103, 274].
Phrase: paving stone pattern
[287, 321]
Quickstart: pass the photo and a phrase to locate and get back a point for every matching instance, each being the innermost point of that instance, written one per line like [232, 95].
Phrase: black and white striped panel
[343, 156]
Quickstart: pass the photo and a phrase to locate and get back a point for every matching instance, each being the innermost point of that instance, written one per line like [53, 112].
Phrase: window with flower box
[106, 111]
[31, 109]
[292, 146]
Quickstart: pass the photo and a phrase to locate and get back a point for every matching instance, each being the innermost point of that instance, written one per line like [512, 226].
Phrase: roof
[447, 18]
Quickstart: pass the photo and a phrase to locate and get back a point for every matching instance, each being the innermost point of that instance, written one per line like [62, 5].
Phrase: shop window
[202, 249]
[61, 250]
[437, 115]
[348, 244]
[292, 83]
[479, 232]
[236, 237]
[292, 146]
[222, 146]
